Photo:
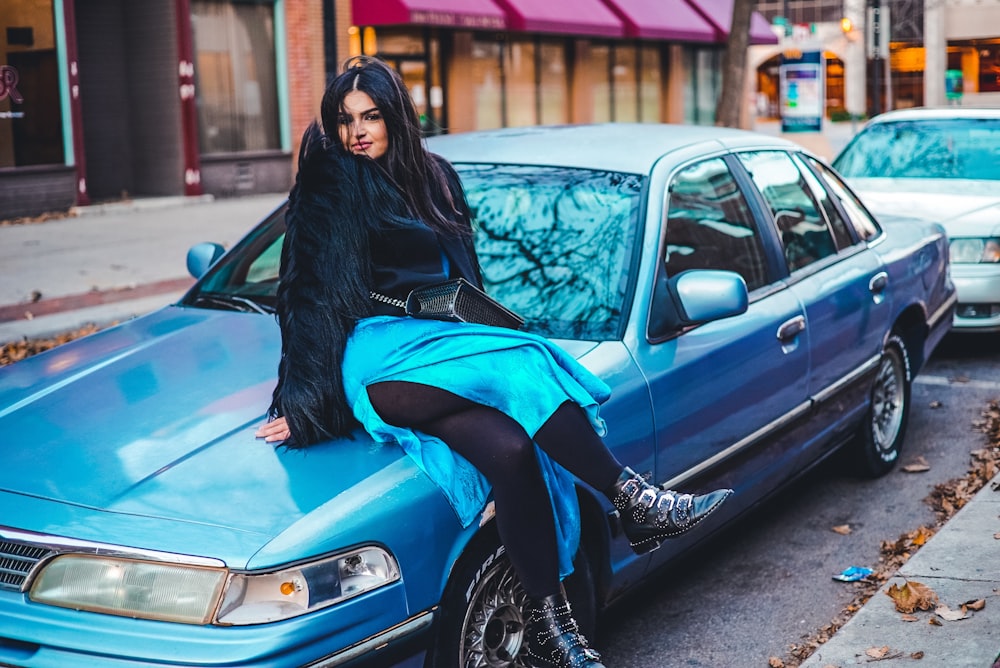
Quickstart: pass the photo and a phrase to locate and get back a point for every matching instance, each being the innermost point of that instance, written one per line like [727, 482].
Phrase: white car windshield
[959, 148]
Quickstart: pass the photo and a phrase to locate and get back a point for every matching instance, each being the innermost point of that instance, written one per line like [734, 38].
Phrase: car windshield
[959, 148]
[555, 245]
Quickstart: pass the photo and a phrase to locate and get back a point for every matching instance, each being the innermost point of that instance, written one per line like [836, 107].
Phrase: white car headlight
[256, 599]
[191, 594]
[974, 250]
[115, 586]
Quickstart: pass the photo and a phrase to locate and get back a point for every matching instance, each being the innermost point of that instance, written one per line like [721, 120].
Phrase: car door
[727, 395]
[841, 285]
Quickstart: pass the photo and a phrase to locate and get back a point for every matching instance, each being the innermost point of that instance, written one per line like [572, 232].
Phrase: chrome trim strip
[742, 444]
[942, 311]
[794, 414]
[62, 545]
[866, 367]
[396, 633]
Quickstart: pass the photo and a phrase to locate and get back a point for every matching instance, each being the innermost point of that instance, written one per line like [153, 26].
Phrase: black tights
[503, 452]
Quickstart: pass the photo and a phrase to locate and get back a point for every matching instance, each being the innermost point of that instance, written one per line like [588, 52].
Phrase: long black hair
[339, 202]
[415, 171]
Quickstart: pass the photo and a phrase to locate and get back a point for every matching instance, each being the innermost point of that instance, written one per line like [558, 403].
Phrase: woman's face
[362, 127]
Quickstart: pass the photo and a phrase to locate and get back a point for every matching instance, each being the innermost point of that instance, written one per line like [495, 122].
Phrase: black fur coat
[325, 274]
[338, 204]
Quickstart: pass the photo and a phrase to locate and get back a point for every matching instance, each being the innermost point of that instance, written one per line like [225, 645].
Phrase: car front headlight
[974, 250]
[192, 594]
[115, 586]
[269, 597]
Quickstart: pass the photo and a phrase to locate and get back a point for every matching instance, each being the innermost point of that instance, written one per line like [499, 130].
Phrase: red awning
[575, 17]
[720, 13]
[671, 20]
[474, 14]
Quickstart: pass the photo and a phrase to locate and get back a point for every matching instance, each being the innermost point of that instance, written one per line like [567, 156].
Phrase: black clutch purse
[456, 300]
[460, 301]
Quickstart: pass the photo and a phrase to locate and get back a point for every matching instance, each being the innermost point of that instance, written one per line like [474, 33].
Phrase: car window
[556, 244]
[864, 225]
[839, 227]
[957, 148]
[805, 236]
[710, 226]
[249, 271]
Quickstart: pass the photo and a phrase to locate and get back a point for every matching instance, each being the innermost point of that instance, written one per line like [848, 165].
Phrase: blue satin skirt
[520, 374]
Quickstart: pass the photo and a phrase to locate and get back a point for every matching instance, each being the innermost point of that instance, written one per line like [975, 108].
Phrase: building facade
[110, 99]
[929, 53]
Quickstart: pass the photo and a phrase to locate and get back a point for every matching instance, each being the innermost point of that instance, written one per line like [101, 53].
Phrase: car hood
[143, 435]
[963, 207]
[151, 424]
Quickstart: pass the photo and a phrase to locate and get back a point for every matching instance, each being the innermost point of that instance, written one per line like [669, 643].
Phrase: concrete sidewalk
[112, 263]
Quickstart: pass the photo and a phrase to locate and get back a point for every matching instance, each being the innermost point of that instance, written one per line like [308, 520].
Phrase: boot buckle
[629, 489]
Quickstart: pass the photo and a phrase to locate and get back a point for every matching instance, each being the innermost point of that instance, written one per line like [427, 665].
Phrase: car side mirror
[704, 295]
[201, 257]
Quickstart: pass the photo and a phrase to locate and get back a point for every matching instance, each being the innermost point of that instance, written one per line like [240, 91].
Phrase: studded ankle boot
[552, 638]
[650, 515]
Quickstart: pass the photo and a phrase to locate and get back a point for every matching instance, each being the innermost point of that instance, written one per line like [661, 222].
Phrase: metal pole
[877, 56]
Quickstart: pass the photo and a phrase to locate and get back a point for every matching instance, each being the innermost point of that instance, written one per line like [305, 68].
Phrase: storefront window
[521, 89]
[650, 84]
[486, 83]
[705, 66]
[236, 88]
[30, 111]
[626, 93]
[554, 83]
[599, 65]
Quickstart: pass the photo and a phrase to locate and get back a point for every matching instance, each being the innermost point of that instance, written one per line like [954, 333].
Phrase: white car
[942, 165]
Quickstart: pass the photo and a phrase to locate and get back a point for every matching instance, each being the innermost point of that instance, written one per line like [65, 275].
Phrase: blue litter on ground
[853, 574]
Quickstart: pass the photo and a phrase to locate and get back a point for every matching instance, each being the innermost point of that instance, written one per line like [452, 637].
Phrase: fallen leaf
[978, 604]
[920, 536]
[949, 615]
[934, 621]
[919, 465]
[912, 596]
[917, 655]
[997, 536]
[775, 662]
[909, 618]
[842, 529]
[877, 652]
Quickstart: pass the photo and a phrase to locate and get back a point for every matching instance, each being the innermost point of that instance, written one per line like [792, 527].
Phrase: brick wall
[306, 71]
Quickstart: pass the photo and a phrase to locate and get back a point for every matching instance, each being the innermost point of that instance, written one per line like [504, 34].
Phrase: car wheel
[481, 624]
[881, 435]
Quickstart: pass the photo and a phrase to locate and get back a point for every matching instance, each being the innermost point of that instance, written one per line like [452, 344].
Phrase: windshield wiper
[235, 302]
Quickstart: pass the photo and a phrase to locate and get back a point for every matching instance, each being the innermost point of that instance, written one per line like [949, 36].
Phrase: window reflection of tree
[709, 225]
[555, 244]
[803, 229]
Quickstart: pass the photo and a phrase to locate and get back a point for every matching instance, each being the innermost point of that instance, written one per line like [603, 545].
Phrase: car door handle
[878, 282]
[791, 328]
[877, 286]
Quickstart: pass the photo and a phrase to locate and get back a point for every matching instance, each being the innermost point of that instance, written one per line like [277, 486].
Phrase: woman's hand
[275, 430]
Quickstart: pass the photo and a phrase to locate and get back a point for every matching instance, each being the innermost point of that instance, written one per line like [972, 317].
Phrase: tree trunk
[730, 104]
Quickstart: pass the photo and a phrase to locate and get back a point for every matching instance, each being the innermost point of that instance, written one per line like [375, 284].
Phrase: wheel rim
[888, 404]
[494, 626]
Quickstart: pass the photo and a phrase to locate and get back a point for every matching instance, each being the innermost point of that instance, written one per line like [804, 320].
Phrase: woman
[372, 216]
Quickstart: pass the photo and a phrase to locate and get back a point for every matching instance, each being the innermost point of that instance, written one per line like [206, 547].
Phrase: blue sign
[803, 91]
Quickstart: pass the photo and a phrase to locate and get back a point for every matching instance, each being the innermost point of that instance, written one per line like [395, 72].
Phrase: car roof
[624, 147]
[936, 113]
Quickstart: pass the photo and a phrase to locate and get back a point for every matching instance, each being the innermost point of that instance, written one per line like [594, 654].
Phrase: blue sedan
[750, 315]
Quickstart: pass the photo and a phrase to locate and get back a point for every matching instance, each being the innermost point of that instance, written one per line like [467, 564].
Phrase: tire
[481, 623]
[880, 438]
